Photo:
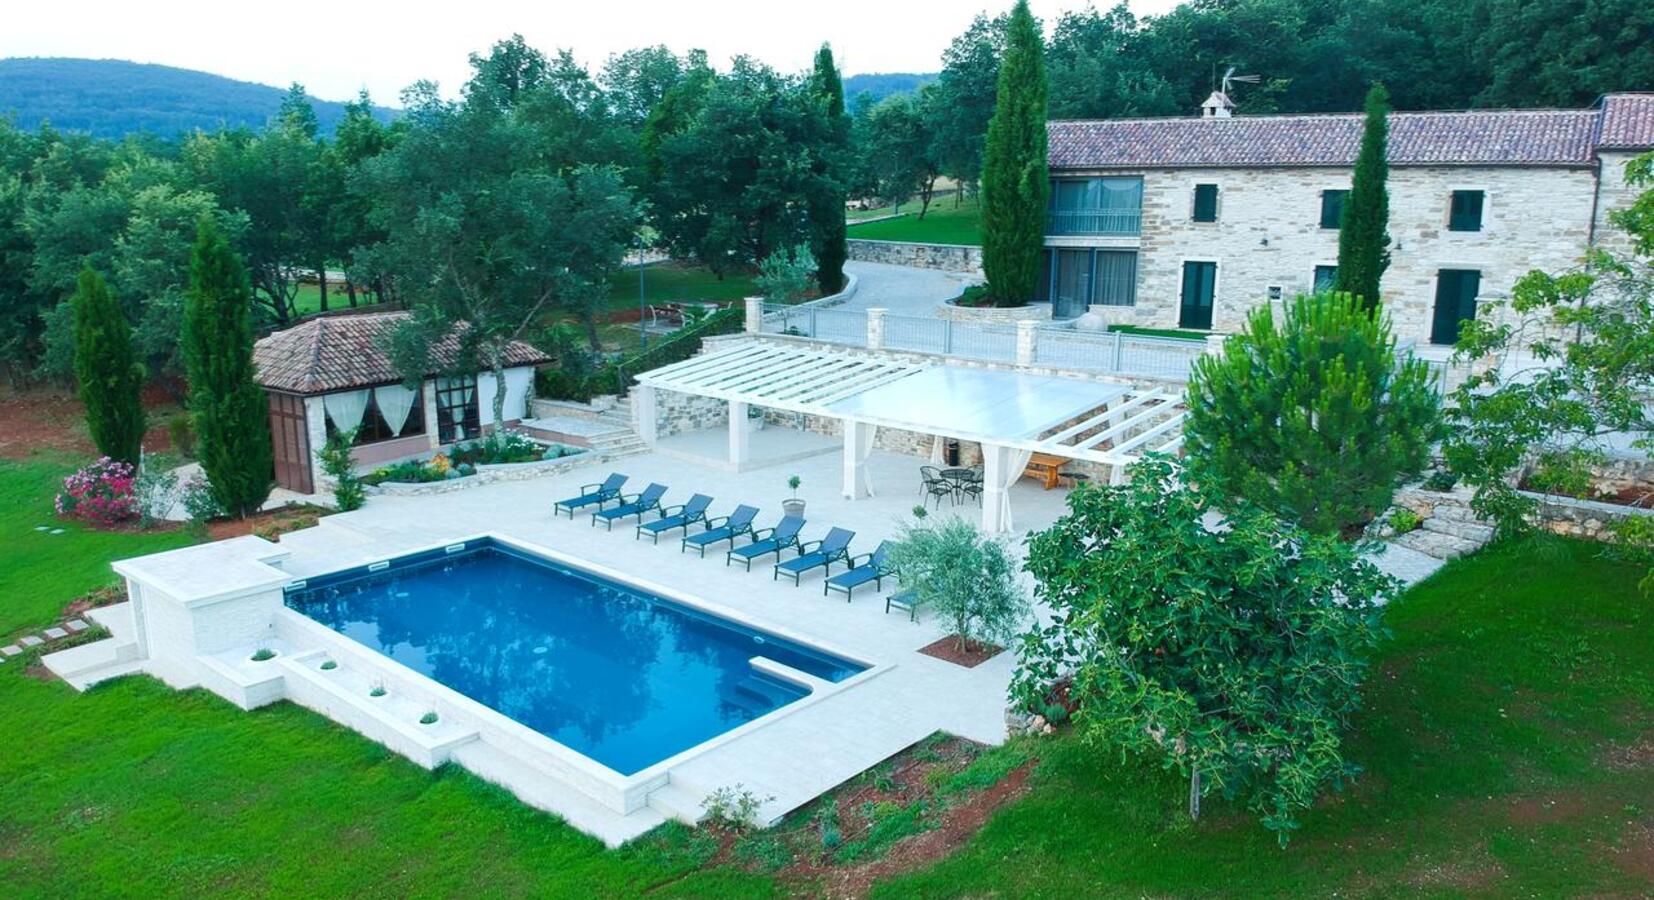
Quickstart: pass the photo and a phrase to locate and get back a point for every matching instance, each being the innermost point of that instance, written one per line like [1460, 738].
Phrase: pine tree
[1363, 228]
[827, 225]
[111, 379]
[1014, 181]
[229, 410]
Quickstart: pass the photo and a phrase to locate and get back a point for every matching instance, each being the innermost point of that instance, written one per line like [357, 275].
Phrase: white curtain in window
[395, 401]
[936, 451]
[346, 408]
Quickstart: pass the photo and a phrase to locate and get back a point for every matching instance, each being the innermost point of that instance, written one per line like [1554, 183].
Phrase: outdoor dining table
[958, 476]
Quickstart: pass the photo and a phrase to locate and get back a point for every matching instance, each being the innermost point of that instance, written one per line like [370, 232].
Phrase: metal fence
[1054, 345]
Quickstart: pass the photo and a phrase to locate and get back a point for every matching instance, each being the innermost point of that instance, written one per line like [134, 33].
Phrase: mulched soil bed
[270, 524]
[912, 777]
[973, 654]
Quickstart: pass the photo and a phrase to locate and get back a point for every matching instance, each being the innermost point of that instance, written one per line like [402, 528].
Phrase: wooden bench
[1046, 468]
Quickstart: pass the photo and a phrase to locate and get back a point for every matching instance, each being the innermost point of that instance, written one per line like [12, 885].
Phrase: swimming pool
[615, 673]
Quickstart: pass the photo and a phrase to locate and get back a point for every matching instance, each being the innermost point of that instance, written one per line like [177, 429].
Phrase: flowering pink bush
[101, 493]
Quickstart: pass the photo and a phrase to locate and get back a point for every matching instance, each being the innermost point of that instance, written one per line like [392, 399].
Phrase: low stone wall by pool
[486, 474]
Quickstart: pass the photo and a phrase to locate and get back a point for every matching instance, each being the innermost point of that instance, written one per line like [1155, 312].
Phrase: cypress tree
[1015, 185]
[1363, 228]
[229, 410]
[111, 379]
[827, 225]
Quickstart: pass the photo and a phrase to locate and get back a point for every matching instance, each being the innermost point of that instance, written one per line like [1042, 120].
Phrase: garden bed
[269, 524]
[469, 460]
[971, 655]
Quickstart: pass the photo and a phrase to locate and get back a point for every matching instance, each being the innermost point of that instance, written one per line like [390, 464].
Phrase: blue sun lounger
[675, 517]
[904, 600]
[591, 493]
[835, 547]
[725, 528]
[874, 567]
[766, 541]
[635, 505]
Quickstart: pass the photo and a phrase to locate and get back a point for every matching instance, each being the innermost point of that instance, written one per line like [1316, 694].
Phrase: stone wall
[485, 475]
[995, 315]
[1268, 234]
[676, 413]
[946, 257]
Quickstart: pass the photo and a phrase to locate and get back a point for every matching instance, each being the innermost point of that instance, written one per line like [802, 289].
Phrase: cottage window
[1465, 211]
[1326, 278]
[1206, 203]
[377, 418]
[1332, 207]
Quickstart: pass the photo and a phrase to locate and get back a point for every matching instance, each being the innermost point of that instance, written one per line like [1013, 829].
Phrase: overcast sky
[338, 47]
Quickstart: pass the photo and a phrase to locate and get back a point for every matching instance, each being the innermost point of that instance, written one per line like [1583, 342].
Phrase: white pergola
[1012, 414]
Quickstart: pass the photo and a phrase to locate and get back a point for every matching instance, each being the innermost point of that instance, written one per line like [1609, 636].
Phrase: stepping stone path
[54, 633]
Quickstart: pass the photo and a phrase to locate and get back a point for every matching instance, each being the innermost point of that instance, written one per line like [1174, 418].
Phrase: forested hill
[113, 98]
[879, 85]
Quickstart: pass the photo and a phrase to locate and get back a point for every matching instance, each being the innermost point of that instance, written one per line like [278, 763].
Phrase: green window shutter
[1206, 203]
[1465, 211]
[1332, 208]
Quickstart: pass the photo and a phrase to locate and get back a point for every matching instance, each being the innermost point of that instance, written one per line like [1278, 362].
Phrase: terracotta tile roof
[1627, 122]
[1505, 137]
[335, 353]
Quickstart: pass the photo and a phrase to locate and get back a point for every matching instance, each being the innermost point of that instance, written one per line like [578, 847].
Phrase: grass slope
[943, 224]
[1499, 740]
[1509, 742]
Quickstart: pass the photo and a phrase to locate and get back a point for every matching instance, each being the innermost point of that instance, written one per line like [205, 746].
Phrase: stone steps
[1474, 532]
[1436, 543]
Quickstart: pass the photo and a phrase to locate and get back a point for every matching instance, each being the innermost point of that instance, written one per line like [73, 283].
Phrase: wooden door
[290, 437]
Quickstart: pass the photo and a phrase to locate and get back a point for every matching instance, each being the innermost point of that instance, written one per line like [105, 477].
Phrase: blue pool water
[622, 676]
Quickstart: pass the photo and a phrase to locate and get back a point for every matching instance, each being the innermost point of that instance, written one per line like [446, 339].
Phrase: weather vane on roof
[1230, 77]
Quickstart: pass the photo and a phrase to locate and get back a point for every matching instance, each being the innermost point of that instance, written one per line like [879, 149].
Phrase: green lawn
[1507, 741]
[675, 282]
[942, 224]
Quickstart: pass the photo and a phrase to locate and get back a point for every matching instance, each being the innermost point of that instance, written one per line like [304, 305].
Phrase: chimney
[1217, 106]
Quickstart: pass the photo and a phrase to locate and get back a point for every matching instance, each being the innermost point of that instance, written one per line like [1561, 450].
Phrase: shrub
[1234, 653]
[733, 807]
[329, 665]
[378, 690]
[827, 817]
[1315, 419]
[963, 575]
[785, 274]
[1055, 713]
[199, 500]
[428, 719]
[263, 654]
[1441, 480]
[616, 377]
[338, 463]
[181, 435]
[155, 492]
[1404, 520]
[101, 493]
[499, 448]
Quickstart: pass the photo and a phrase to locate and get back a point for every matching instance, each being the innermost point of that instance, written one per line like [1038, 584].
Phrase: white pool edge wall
[201, 612]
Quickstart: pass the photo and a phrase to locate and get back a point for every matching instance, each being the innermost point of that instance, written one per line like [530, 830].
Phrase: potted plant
[793, 506]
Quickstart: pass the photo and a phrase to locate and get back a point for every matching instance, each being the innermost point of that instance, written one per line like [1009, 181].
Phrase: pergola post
[738, 434]
[995, 460]
[855, 482]
[644, 413]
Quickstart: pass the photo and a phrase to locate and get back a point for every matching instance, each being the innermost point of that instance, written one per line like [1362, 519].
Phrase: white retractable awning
[1074, 418]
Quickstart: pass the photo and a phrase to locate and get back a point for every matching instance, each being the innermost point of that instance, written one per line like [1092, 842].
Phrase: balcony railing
[1124, 222]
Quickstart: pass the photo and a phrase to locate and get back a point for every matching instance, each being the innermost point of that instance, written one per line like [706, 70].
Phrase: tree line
[508, 207]
[1312, 56]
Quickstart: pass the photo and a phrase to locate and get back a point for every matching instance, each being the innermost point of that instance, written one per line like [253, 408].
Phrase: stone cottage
[1192, 222]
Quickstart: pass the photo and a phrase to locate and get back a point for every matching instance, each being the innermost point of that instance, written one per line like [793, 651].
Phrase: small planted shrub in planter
[263, 654]
[733, 807]
[329, 665]
[378, 690]
[428, 719]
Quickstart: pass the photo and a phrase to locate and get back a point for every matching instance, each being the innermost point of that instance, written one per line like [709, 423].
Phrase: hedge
[615, 377]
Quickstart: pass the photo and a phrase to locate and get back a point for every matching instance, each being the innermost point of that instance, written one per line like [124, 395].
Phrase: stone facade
[995, 315]
[946, 257]
[1268, 235]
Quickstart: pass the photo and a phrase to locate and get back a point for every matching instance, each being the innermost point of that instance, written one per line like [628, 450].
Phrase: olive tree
[966, 577]
[1234, 654]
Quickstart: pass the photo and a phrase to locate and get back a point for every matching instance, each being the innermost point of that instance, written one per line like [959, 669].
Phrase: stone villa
[1192, 222]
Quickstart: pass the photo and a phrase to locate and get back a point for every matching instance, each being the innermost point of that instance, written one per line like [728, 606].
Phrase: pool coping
[623, 794]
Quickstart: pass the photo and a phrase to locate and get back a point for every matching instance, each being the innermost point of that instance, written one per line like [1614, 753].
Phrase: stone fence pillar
[1214, 344]
[1027, 341]
[875, 329]
[755, 315]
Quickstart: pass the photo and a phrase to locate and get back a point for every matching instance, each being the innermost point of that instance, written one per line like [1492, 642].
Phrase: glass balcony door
[1108, 206]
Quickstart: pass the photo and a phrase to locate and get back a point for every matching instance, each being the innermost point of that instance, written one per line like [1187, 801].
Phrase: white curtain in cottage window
[395, 401]
[345, 408]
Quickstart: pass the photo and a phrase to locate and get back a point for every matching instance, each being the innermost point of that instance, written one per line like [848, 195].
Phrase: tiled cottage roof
[1505, 137]
[1627, 122]
[335, 353]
